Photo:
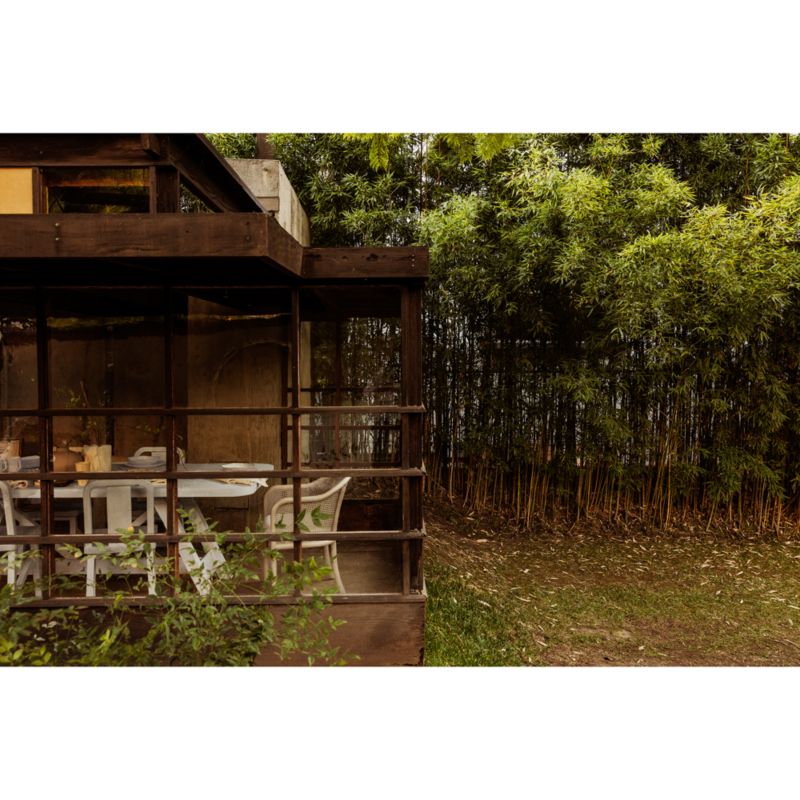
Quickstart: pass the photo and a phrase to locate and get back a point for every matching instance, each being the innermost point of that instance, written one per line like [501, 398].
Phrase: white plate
[145, 461]
[238, 465]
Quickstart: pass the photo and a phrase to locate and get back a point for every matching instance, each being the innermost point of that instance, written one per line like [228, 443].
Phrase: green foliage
[317, 516]
[184, 628]
[234, 145]
[463, 629]
[24, 638]
[623, 306]
[380, 146]
[464, 146]
[350, 202]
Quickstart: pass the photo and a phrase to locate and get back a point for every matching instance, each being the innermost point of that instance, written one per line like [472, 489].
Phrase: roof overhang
[185, 236]
[202, 168]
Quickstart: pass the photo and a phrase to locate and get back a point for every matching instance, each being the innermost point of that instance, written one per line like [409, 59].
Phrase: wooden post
[264, 148]
[173, 550]
[38, 191]
[45, 436]
[338, 399]
[296, 459]
[411, 395]
[287, 336]
[165, 190]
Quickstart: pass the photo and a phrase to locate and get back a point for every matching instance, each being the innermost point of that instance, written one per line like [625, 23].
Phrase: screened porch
[215, 386]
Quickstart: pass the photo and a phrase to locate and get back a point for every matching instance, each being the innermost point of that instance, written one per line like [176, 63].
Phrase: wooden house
[156, 297]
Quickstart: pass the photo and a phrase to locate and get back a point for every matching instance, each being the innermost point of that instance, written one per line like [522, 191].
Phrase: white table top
[190, 487]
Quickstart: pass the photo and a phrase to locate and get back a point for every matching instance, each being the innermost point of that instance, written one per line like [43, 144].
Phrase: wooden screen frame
[411, 472]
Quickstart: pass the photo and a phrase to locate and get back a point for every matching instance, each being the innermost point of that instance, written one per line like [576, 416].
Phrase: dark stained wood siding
[93, 236]
[72, 148]
[382, 634]
[329, 263]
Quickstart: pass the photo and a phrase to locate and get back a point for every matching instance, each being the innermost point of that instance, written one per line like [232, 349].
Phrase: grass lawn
[600, 596]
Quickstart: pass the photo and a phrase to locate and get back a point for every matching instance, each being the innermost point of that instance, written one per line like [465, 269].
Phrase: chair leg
[32, 565]
[272, 563]
[334, 560]
[91, 573]
[37, 575]
[151, 570]
[11, 569]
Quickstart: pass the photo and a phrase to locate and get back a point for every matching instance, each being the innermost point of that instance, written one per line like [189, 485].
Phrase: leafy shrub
[228, 626]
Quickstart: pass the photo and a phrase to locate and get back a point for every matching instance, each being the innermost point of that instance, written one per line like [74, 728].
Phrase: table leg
[198, 569]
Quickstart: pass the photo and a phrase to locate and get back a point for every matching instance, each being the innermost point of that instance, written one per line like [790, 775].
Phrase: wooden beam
[150, 144]
[333, 263]
[95, 236]
[208, 174]
[282, 247]
[175, 235]
[264, 148]
[87, 149]
[167, 190]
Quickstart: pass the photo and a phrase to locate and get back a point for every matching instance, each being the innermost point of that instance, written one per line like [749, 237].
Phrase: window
[16, 191]
[72, 190]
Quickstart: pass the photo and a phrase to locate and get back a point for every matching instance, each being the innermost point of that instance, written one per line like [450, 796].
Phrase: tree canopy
[612, 320]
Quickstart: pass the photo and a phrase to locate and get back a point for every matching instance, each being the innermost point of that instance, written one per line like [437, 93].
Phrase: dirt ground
[594, 594]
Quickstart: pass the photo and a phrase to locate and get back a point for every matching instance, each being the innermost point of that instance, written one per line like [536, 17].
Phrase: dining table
[190, 490]
[187, 487]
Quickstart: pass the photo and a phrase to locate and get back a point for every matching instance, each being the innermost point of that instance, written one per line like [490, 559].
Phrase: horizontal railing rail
[200, 411]
[253, 536]
[187, 475]
[144, 601]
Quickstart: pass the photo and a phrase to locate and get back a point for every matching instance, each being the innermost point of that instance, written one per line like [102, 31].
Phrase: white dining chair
[15, 554]
[325, 494]
[160, 451]
[282, 491]
[119, 515]
[154, 450]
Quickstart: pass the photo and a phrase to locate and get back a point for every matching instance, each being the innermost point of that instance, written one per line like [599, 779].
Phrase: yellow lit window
[16, 191]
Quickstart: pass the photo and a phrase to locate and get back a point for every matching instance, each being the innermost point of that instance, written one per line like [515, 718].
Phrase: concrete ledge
[265, 178]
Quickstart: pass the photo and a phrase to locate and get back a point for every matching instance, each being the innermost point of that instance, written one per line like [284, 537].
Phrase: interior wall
[233, 363]
[77, 378]
[101, 368]
[18, 389]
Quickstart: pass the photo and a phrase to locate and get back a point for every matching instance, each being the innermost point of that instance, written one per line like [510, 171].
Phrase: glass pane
[232, 349]
[18, 381]
[16, 190]
[128, 443]
[106, 349]
[19, 444]
[359, 440]
[355, 362]
[236, 439]
[99, 191]
[228, 444]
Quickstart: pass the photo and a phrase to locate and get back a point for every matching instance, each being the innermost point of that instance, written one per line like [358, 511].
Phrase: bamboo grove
[612, 327]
